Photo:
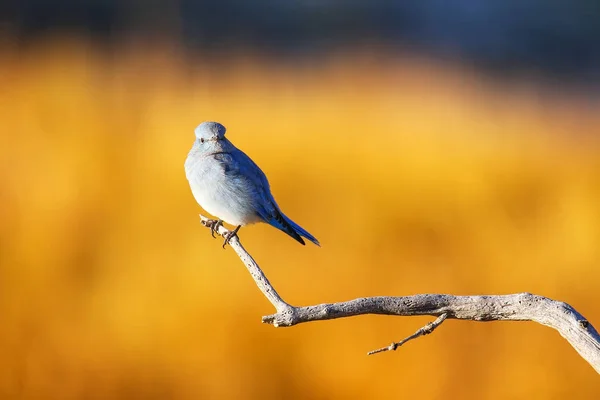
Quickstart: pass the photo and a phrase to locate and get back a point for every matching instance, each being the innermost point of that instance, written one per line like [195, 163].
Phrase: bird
[227, 184]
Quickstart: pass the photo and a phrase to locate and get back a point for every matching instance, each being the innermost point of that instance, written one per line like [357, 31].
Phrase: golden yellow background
[417, 177]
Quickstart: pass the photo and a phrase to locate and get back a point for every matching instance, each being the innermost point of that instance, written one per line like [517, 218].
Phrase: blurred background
[430, 146]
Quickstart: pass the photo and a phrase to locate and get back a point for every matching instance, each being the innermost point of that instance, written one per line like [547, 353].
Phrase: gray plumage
[229, 185]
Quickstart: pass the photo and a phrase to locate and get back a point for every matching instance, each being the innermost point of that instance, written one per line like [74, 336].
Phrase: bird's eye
[201, 140]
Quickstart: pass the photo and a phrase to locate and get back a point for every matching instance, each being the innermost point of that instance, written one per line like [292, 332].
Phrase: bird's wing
[247, 175]
[238, 166]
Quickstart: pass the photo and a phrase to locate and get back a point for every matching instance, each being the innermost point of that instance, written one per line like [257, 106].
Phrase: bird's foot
[231, 235]
[214, 225]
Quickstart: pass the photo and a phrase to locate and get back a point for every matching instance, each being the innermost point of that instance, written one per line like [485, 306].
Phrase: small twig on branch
[426, 330]
[560, 316]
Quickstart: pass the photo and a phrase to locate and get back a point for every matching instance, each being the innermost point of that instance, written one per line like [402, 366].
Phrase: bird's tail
[293, 229]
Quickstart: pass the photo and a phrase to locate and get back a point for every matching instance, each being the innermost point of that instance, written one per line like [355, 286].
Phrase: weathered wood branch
[560, 316]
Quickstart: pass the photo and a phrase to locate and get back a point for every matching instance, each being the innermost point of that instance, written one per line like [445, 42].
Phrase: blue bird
[229, 185]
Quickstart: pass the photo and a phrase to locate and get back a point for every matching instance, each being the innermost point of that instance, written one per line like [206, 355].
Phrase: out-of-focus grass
[415, 177]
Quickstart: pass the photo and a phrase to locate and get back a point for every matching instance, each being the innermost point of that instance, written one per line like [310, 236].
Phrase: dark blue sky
[557, 37]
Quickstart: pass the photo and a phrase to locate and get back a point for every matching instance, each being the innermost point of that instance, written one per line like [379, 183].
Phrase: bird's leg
[231, 235]
[213, 224]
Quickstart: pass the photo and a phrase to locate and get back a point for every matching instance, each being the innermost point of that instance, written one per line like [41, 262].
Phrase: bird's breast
[226, 197]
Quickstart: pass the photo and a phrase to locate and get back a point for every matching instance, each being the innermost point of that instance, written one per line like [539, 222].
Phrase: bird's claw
[230, 235]
[214, 225]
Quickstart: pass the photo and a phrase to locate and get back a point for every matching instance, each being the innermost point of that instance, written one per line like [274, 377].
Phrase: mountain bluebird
[230, 186]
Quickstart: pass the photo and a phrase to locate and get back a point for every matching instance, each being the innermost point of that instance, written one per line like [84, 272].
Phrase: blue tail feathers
[300, 231]
[283, 223]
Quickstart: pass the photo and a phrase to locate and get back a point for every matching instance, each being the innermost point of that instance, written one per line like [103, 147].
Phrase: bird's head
[210, 131]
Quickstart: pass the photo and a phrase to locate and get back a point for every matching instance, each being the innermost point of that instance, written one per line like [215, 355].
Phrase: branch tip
[425, 330]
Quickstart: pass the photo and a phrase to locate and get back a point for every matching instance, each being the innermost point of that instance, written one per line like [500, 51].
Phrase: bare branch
[513, 307]
[259, 277]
